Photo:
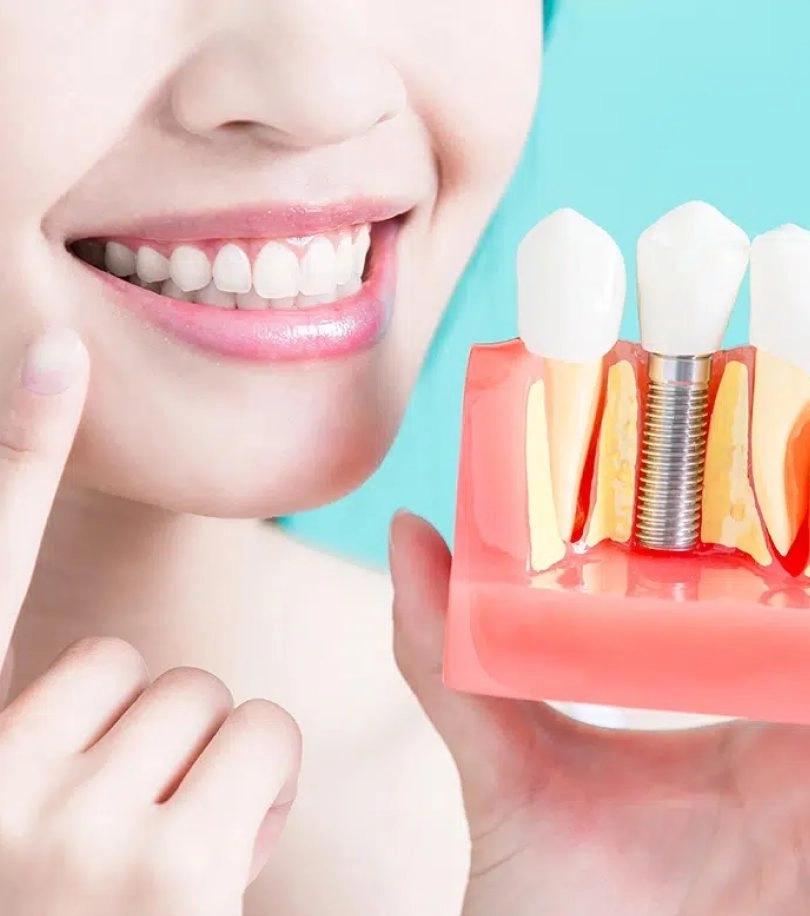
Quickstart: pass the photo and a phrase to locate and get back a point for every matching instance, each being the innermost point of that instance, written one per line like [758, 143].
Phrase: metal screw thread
[673, 452]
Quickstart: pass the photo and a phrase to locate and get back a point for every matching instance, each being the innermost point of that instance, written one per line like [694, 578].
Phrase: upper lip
[268, 220]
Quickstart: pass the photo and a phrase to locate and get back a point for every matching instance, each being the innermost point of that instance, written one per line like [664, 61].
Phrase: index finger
[39, 414]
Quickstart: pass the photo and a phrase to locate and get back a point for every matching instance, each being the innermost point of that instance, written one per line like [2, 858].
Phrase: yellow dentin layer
[547, 547]
[616, 459]
[730, 514]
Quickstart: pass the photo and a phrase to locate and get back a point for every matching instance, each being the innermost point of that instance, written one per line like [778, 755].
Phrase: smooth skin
[118, 793]
[570, 819]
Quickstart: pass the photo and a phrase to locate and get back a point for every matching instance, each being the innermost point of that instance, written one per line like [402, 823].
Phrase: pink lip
[265, 222]
[342, 328]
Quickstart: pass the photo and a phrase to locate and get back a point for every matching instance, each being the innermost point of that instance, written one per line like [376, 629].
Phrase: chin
[236, 469]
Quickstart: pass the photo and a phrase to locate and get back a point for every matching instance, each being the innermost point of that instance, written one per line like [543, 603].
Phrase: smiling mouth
[265, 285]
[297, 272]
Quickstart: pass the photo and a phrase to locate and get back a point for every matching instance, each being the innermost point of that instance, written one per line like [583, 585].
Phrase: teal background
[645, 104]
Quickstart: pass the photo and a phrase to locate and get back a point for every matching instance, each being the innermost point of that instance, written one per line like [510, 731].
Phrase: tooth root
[546, 545]
[616, 460]
[730, 514]
[151, 266]
[318, 268]
[780, 450]
[231, 270]
[190, 268]
[119, 259]
[276, 272]
[572, 398]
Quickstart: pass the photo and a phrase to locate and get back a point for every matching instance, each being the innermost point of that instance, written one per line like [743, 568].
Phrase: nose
[292, 73]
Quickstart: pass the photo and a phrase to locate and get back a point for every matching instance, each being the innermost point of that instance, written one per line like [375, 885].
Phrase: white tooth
[362, 243]
[318, 268]
[780, 291]
[211, 295]
[780, 322]
[691, 263]
[119, 260]
[571, 287]
[351, 288]
[345, 259]
[190, 268]
[287, 302]
[172, 290]
[145, 284]
[276, 272]
[310, 301]
[232, 270]
[151, 266]
[251, 300]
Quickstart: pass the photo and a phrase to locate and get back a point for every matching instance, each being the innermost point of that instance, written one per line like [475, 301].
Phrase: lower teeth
[247, 301]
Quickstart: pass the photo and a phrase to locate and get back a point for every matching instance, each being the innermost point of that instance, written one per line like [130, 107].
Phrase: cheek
[69, 91]
[474, 73]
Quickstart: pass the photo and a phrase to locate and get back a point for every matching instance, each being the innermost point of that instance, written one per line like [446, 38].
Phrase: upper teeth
[319, 266]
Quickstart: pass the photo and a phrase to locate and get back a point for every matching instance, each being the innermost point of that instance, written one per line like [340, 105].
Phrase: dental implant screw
[673, 452]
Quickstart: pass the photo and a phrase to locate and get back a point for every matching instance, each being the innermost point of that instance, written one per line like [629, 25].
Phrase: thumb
[498, 745]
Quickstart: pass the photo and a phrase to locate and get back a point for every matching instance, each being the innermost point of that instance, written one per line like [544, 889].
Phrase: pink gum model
[706, 632]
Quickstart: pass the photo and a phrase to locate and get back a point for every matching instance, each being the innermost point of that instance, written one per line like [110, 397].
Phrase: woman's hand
[572, 820]
[118, 796]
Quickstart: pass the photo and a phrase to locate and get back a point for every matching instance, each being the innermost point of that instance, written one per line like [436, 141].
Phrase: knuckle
[107, 652]
[269, 726]
[200, 687]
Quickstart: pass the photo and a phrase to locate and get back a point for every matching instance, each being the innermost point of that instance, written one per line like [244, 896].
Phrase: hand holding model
[118, 795]
[566, 817]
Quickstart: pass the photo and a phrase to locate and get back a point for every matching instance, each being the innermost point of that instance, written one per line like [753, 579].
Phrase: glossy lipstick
[342, 328]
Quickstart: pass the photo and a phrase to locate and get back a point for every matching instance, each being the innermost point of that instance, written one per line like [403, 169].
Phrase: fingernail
[53, 362]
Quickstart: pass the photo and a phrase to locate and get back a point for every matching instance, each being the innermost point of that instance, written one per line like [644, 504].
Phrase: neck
[268, 615]
[109, 566]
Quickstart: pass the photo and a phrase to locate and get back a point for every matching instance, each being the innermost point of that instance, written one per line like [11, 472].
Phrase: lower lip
[343, 328]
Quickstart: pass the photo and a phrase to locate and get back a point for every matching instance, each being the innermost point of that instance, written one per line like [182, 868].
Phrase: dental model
[690, 267]
[780, 296]
[571, 290]
[632, 520]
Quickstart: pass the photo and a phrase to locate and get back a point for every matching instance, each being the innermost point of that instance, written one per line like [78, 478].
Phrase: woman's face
[229, 158]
